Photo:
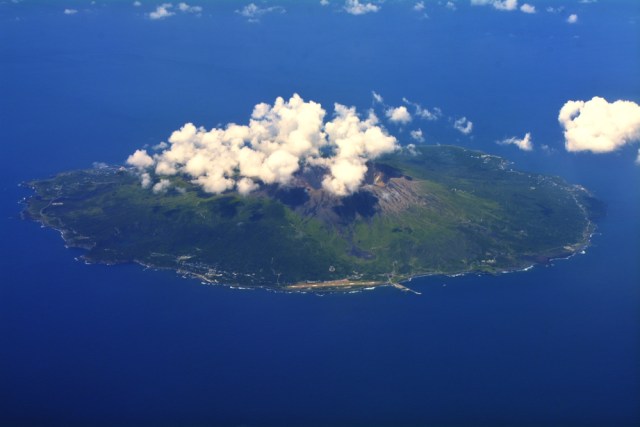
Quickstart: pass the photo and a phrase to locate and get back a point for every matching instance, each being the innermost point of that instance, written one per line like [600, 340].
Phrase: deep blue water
[100, 345]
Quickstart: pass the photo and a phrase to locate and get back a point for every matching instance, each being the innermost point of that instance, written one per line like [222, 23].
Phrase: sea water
[93, 344]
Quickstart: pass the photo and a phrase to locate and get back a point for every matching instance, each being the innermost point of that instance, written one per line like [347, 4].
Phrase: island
[421, 211]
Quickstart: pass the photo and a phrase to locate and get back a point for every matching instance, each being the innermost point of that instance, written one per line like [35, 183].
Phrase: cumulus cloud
[463, 125]
[599, 126]
[253, 13]
[508, 5]
[137, 3]
[184, 7]
[140, 159]
[422, 112]
[166, 10]
[417, 135]
[419, 6]
[324, 2]
[246, 186]
[505, 5]
[279, 140]
[70, 11]
[398, 115]
[354, 7]
[163, 11]
[161, 186]
[638, 158]
[572, 19]
[527, 8]
[523, 144]
[145, 180]
[401, 114]
[450, 5]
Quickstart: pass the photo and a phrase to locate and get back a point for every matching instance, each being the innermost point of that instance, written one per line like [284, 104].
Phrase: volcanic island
[421, 211]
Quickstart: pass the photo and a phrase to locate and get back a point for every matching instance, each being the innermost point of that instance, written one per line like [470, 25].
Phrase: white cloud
[523, 144]
[246, 186]
[572, 19]
[354, 7]
[398, 114]
[505, 5]
[552, 9]
[463, 125]
[324, 2]
[424, 113]
[588, 1]
[450, 5]
[508, 5]
[527, 8]
[184, 7]
[279, 140]
[166, 10]
[70, 11]
[419, 6]
[161, 186]
[417, 135]
[433, 114]
[163, 11]
[145, 180]
[140, 159]
[377, 97]
[137, 3]
[355, 141]
[599, 126]
[250, 11]
[253, 13]
[638, 158]
[411, 149]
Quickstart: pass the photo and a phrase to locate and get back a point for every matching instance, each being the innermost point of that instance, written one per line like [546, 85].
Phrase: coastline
[211, 275]
[344, 285]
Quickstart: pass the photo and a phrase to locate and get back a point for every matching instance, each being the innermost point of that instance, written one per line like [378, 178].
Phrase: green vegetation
[441, 210]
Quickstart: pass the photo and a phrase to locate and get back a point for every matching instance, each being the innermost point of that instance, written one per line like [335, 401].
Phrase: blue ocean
[93, 345]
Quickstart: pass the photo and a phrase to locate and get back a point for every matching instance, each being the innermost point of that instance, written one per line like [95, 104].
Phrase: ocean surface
[120, 345]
